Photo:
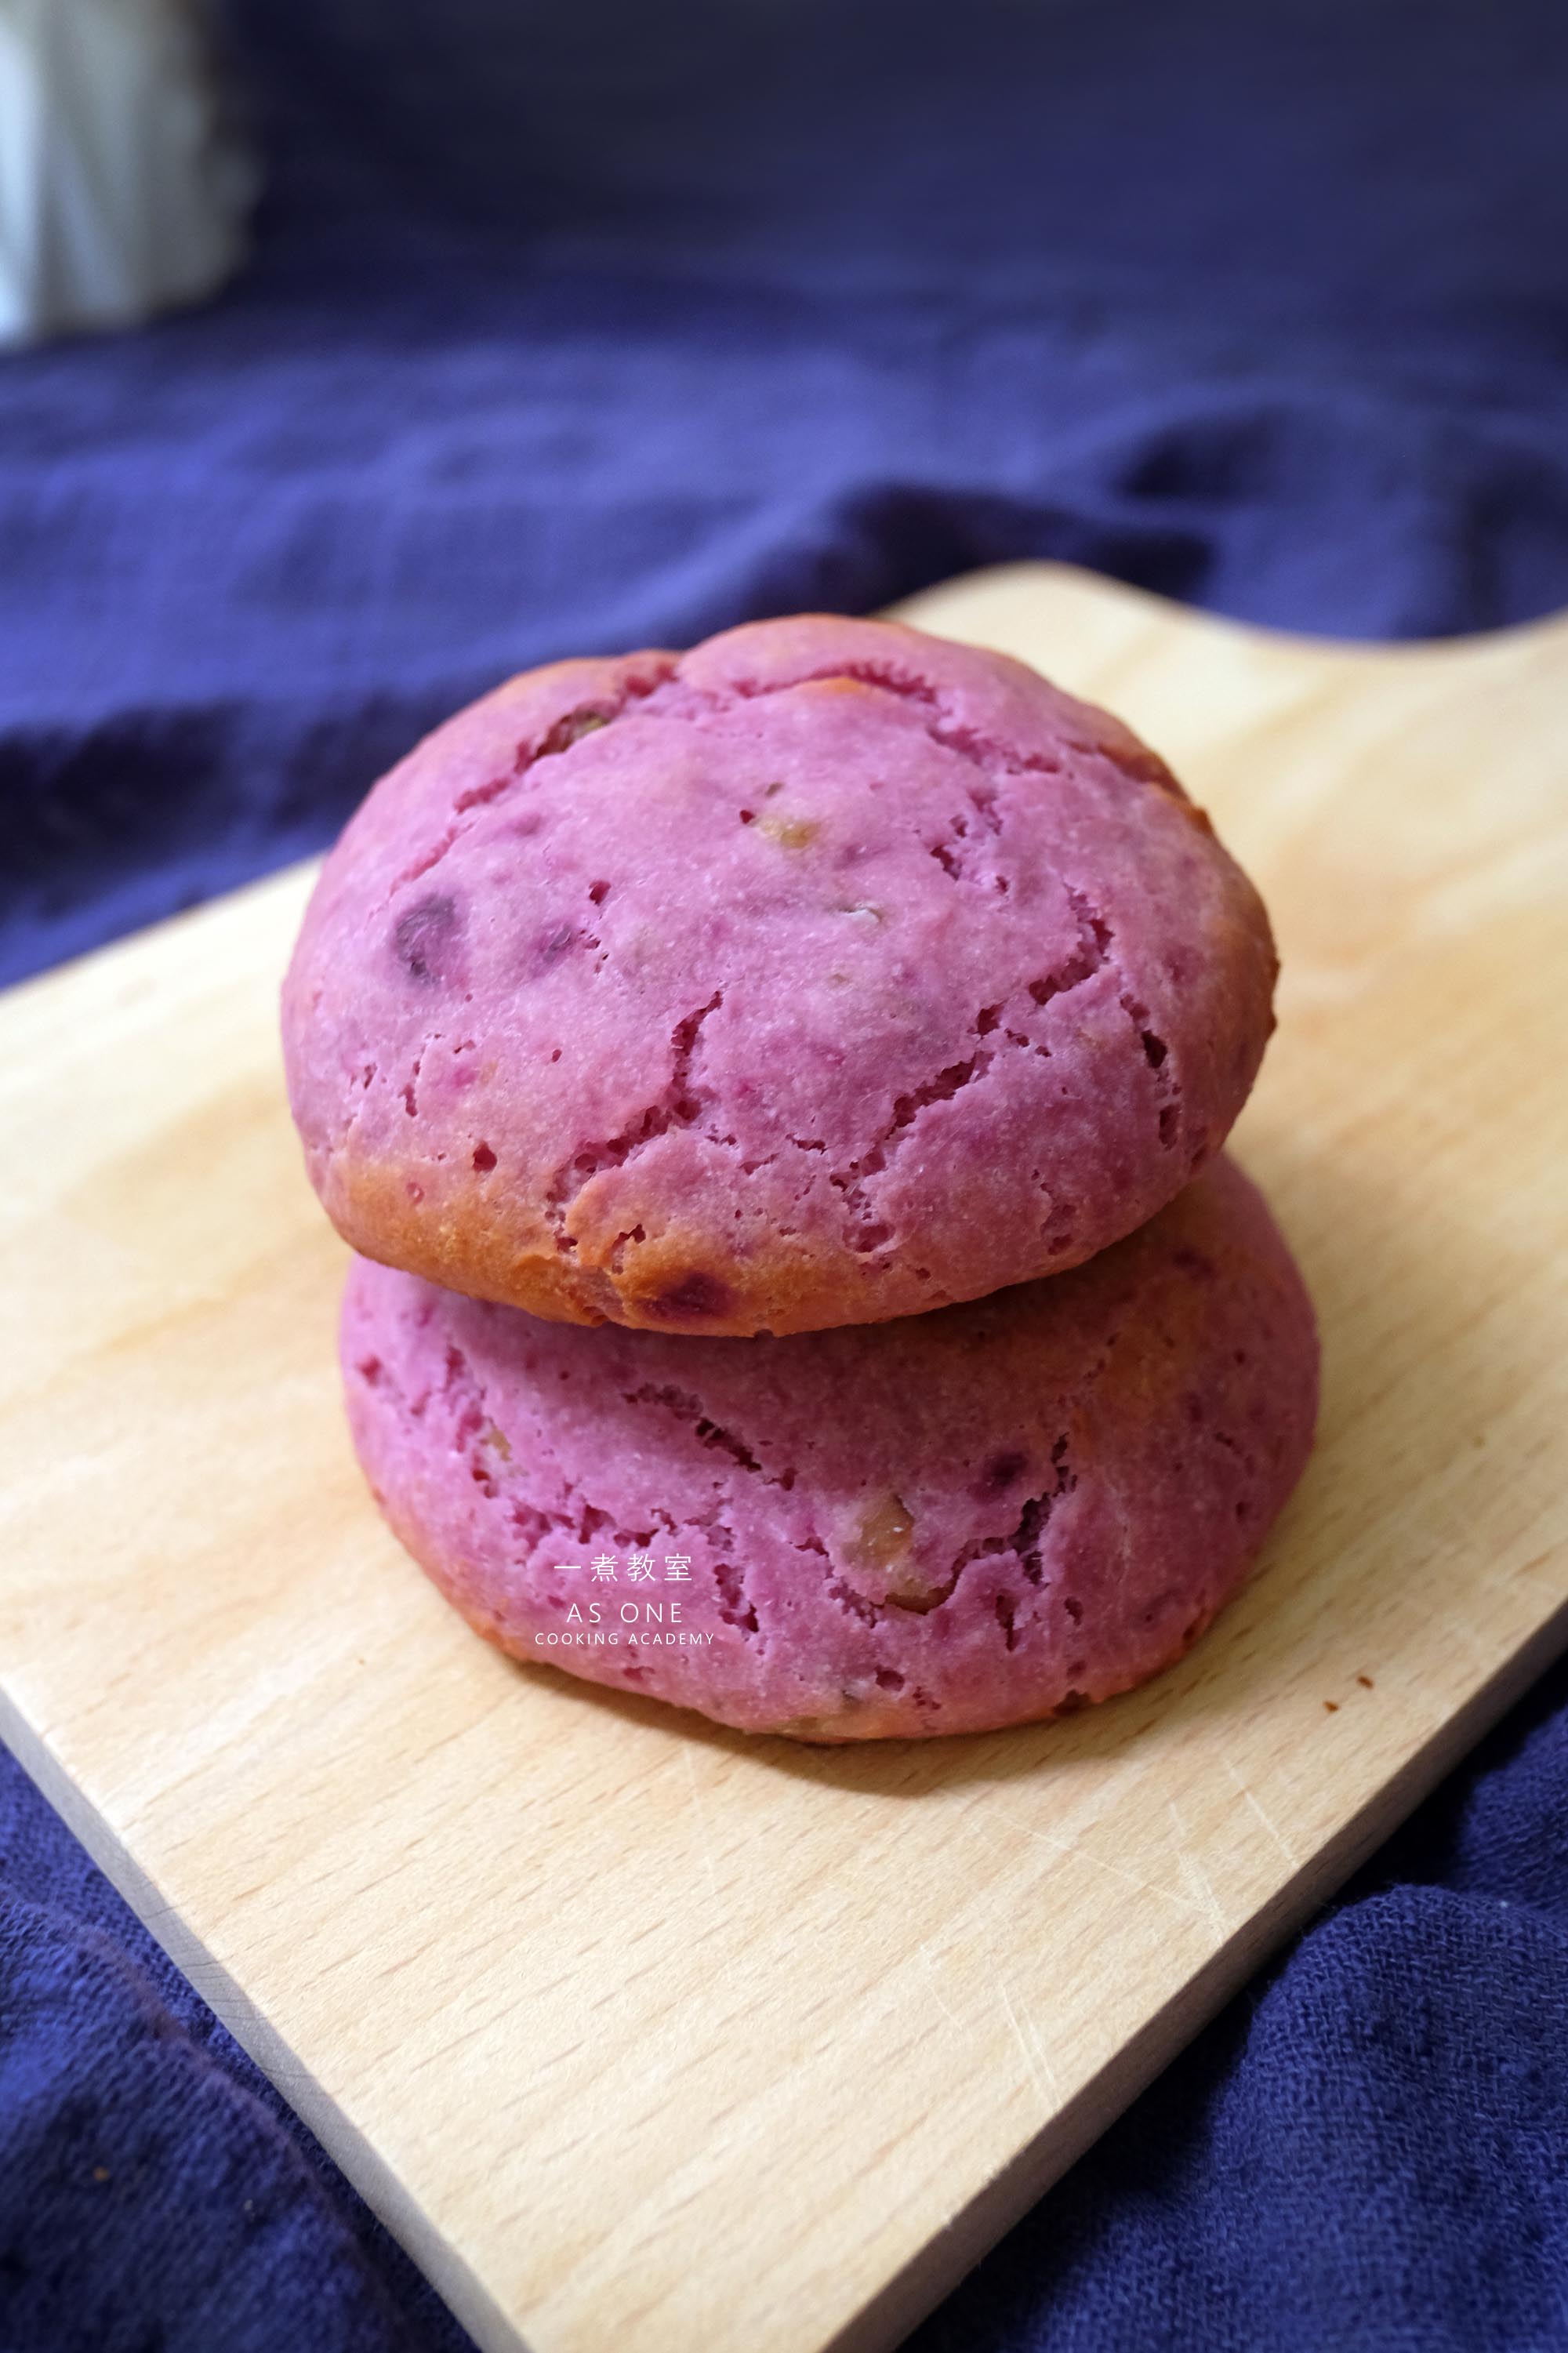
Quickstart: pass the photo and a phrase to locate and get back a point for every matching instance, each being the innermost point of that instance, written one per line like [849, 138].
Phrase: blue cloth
[560, 339]
[156, 2194]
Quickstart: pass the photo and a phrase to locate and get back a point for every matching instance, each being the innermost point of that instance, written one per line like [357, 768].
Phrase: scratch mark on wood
[925, 1954]
[1099, 1863]
[1042, 2074]
[1251, 1798]
[1195, 1875]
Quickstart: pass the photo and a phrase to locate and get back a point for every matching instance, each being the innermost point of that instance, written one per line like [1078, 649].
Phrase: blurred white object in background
[122, 189]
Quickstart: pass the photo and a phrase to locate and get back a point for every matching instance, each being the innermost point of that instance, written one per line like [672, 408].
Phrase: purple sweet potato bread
[829, 972]
[945, 1524]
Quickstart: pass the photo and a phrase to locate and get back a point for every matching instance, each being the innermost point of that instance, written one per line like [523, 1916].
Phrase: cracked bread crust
[955, 1523]
[826, 974]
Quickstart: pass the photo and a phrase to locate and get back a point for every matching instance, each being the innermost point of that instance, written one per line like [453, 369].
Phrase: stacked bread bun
[776, 1094]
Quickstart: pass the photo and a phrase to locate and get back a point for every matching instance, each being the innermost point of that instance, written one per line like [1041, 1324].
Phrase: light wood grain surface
[643, 2035]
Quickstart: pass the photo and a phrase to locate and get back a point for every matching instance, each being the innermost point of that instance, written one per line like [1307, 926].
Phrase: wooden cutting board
[641, 2034]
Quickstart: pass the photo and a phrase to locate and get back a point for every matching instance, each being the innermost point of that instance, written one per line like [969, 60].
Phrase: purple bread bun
[829, 972]
[947, 1524]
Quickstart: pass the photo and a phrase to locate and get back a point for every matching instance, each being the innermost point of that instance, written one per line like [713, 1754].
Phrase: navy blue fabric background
[562, 335]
